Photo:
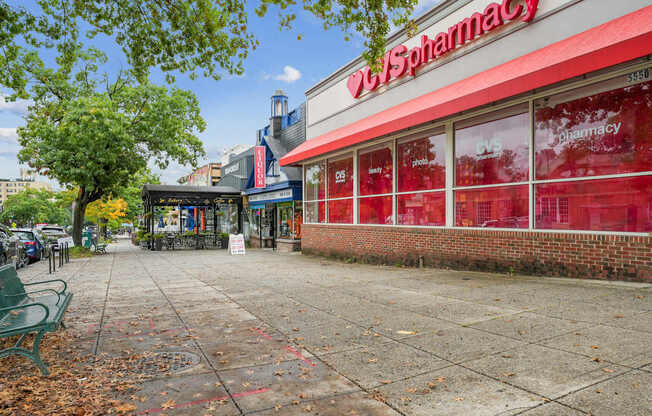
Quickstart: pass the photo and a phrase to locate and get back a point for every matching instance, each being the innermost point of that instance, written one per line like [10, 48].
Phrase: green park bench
[24, 312]
[99, 247]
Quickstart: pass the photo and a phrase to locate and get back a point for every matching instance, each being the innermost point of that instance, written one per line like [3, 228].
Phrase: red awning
[620, 40]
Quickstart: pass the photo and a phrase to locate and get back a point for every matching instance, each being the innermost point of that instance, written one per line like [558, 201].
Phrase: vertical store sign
[259, 166]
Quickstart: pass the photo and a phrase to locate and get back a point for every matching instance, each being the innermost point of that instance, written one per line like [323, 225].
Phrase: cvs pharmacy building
[505, 135]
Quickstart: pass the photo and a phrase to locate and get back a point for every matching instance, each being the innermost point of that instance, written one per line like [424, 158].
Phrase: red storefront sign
[396, 64]
[259, 166]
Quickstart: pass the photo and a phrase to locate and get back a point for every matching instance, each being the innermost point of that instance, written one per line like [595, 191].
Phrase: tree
[106, 211]
[131, 193]
[187, 36]
[33, 206]
[96, 141]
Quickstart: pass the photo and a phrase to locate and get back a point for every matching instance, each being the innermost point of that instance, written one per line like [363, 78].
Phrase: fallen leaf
[406, 332]
[170, 404]
[125, 408]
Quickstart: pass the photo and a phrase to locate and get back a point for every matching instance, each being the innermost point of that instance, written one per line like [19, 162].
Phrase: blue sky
[234, 107]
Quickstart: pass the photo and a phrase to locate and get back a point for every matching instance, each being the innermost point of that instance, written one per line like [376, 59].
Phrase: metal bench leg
[62, 325]
[33, 355]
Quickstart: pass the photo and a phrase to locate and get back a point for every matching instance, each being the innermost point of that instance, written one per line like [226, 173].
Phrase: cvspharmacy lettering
[399, 60]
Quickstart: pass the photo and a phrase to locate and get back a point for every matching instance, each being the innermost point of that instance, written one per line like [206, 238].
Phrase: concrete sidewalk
[270, 334]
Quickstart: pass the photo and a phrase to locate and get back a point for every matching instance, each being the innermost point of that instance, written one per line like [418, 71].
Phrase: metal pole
[214, 227]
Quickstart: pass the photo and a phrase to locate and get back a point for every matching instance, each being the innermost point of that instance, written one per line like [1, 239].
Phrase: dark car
[34, 245]
[10, 248]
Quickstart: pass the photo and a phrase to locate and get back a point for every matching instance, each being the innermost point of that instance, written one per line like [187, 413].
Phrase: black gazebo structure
[179, 195]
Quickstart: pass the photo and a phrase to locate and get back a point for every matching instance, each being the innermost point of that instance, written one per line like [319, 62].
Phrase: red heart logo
[355, 84]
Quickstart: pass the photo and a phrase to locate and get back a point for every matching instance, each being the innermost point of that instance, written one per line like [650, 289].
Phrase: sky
[234, 107]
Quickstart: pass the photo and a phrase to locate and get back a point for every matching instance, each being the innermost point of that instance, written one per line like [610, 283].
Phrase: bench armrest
[65, 285]
[28, 305]
[39, 291]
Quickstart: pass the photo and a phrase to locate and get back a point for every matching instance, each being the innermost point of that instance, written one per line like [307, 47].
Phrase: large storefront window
[501, 207]
[623, 204]
[425, 209]
[315, 181]
[315, 212]
[601, 134]
[376, 210]
[493, 151]
[340, 178]
[375, 171]
[601, 129]
[422, 163]
[315, 190]
[340, 185]
[376, 177]
[340, 211]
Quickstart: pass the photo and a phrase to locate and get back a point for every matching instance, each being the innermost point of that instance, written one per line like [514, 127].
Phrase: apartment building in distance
[27, 180]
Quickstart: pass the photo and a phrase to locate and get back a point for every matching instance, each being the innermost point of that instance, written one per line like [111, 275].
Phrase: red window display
[422, 164]
[340, 211]
[427, 209]
[623, 204]
[375, 171]
[602, 134]
[315, 212]
[376, 210]
[315, 182]
[493, 152]
[340, 178]
[501, 207]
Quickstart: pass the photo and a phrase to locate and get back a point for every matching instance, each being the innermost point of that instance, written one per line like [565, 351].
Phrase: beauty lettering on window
[375, 171]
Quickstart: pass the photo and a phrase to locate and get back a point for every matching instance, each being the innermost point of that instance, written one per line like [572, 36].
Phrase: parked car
[10, 247]
[54, 233]
[34, 246]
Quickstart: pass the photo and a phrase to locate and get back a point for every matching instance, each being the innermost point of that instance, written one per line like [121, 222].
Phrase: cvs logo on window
[487, 149]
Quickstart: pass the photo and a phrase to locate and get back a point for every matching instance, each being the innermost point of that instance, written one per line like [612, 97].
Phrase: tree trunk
[78, 214]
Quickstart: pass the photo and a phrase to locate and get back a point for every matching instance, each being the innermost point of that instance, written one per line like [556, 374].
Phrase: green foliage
[77, 252]
[96, 141]
[131, 192]
[196, 37]
[33, 206]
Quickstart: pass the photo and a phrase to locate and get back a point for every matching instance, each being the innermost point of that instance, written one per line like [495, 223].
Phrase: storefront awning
[620, 40]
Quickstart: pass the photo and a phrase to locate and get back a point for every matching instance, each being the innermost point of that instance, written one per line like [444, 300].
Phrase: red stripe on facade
[620, 40]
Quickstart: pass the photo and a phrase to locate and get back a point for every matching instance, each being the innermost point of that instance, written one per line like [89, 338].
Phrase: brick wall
[555, 254]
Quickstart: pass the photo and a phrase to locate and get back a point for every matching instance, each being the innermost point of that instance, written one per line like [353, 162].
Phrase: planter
[158, 244]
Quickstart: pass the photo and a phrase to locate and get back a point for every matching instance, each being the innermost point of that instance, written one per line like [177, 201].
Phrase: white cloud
[289, 75]
[8, 135]
[18, 107]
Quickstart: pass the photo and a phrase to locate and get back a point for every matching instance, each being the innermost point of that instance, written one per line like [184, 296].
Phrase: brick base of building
[613, 257]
